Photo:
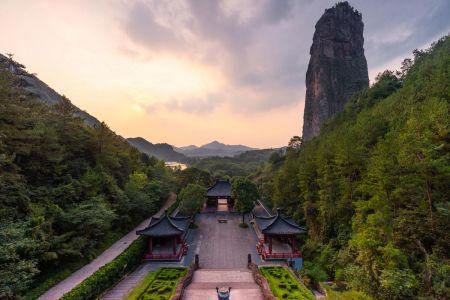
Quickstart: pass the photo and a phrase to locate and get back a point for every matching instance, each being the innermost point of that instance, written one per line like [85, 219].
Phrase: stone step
[205, 281]
[222, 276]
[237, 294]
[213, 285]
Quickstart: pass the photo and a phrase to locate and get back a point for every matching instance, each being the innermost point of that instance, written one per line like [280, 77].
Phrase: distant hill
[161, 151]
[40, 89]
[214, 148]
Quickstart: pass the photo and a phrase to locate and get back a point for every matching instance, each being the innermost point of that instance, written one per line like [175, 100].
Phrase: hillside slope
[67, 189]
[161, 151]
[373, 186]
[40, 89]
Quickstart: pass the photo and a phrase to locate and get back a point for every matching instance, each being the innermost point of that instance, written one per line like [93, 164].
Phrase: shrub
[109, 274]
[284, 285]
[158, 286]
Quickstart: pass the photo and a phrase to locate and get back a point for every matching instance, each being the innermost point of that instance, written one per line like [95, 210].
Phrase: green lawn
[159, 285]
[284, 285]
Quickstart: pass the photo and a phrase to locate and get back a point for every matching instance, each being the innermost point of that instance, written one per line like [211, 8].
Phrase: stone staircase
[205, 281]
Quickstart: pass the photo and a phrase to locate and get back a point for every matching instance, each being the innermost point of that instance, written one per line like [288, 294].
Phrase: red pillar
[174, 245]
[270, 245]
[150, 245]
[265, 239]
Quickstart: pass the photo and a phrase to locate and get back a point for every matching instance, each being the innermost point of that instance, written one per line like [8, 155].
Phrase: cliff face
[337, 67]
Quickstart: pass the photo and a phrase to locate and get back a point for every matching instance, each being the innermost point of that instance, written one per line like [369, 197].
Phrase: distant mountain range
[182, 154]
[161, 151]
[214, 148]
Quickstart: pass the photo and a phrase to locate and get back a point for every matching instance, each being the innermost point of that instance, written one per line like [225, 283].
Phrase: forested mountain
[41, 91]
[67, 189]
[161, 151]
[373, 187]
[242, 164]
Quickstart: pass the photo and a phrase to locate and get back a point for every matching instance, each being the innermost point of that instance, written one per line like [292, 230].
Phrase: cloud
[197, 105]
[262, 47]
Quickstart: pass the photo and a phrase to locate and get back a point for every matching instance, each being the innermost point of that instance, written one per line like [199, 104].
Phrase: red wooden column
[150, 245]
[265, 239]
[174, 245]
[293, 246]
[270, 244]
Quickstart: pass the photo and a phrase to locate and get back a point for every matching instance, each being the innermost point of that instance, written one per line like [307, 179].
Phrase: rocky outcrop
[38, 88]
[337, 67]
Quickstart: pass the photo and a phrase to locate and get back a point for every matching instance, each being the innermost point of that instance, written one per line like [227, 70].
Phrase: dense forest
[67, 190]
[373, 188]
[239, 165]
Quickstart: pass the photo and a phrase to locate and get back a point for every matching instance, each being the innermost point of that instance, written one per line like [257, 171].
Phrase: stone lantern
[223, 293]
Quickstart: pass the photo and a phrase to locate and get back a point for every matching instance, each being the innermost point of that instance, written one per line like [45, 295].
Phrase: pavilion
[276, 234]
[219, 195]
[166, 237]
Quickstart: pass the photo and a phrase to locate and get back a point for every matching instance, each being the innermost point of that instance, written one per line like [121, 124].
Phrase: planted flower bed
[160, 286]
[284, 285]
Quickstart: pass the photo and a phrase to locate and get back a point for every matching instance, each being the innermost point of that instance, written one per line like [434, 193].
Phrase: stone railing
[261, 281]
[186, 280]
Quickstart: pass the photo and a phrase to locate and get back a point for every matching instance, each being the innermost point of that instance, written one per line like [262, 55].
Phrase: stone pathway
[205, 281]
[108, 255]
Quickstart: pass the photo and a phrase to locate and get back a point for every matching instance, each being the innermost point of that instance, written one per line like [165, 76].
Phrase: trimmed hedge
[109, 274]
[162, 286]
[284, 285]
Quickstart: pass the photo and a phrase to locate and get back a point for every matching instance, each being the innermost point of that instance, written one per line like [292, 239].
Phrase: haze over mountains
[168, 152]
[214, 148]
[163, 151]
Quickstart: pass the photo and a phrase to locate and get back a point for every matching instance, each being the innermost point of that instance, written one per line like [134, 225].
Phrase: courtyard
[223, 245]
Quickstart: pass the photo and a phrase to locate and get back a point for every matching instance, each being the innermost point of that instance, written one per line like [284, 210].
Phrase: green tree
[245, 194]
[191, 199]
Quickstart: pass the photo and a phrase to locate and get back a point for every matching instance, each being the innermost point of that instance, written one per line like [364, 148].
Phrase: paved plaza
[223, 245]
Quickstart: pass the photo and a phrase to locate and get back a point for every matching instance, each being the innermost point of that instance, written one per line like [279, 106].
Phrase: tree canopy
[373, 187]
[66, 189]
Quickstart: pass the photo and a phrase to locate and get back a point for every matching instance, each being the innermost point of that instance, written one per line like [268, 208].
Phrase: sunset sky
[189, 72]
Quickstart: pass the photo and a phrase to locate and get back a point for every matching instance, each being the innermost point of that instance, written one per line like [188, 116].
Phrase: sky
[193, 71]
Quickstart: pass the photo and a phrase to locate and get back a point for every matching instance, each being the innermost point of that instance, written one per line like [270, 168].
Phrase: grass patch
[284, 285]
[334, 294]
[159, 285]
[243, 225]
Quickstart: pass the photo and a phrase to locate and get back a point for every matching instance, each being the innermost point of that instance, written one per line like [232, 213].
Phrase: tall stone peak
[337, 67]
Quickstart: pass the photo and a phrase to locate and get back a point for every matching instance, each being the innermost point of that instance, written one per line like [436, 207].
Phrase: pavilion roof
[278, 225]
[165, 226]
[222, 188]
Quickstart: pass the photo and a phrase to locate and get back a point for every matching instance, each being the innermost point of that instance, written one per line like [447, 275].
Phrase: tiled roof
[165, 226]
[221, 188]
[278, 225]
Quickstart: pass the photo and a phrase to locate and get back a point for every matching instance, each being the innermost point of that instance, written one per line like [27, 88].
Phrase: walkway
[108, 255]
[205, 281]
